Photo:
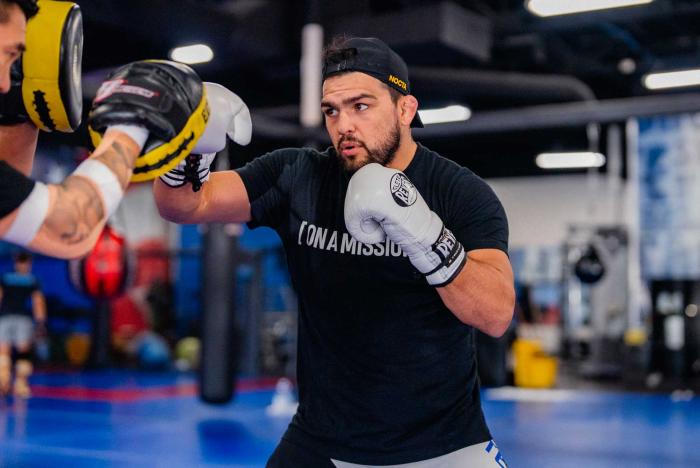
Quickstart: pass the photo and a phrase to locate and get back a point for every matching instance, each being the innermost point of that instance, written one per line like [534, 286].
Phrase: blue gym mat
[134, 419]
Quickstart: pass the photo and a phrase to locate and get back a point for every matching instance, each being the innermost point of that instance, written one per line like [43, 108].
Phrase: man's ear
[408, 108]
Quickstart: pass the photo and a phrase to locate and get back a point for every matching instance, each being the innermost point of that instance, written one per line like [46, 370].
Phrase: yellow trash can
[533, 368]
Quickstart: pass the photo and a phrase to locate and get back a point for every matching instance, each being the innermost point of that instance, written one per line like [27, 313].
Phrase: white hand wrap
[105, 180]
[382, 201]
[30, 216]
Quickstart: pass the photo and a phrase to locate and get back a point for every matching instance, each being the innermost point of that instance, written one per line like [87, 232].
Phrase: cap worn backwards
[373, 57]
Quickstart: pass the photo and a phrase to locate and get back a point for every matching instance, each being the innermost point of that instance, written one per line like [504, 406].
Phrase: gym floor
[138, 419]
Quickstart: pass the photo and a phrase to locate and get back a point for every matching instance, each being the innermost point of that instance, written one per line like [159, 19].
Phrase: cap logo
[398, 82]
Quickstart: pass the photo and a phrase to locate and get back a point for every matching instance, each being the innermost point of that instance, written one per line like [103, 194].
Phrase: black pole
[100, 342]
[219, 341]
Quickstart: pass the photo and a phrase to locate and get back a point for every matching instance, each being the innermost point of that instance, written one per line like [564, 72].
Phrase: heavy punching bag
[589, 269]
[219, 343]
[102, 275]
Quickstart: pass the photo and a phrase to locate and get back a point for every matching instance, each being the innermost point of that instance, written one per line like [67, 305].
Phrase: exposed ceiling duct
[514, 88]
[425, 33]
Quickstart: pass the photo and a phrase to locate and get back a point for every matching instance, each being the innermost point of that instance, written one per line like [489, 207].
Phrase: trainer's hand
[229, 116]
[383, 202]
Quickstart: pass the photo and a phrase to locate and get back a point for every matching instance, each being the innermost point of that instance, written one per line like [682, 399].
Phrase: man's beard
[383, 153]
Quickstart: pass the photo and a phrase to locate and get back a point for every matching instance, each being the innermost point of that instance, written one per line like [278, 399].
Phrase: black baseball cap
[373, 57]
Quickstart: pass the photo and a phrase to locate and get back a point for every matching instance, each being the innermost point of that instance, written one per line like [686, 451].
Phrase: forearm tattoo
[78, 208]
[118, 159]
[76, 212]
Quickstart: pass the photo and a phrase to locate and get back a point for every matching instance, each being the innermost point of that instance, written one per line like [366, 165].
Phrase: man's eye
[359, 106]
[330, 112]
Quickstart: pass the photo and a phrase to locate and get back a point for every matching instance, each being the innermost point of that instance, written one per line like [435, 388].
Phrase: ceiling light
[627, 66]
[673, 79]
[563, 7]
[574, 160]
[445, 114]
[196, 53]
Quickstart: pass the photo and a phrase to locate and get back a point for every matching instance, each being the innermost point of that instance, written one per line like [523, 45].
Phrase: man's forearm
[77, 209]
[482, 295]
[178, 205]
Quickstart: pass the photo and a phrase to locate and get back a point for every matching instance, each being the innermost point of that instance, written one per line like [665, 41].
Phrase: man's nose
[345, 124]
[5, 81]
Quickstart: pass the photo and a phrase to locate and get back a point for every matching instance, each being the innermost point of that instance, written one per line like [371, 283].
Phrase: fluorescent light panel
[563, 7]
[445, 114]
[191, 54]
[573, 160]
[674, 79]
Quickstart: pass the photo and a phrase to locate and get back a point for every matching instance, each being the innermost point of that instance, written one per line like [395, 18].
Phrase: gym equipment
[595, 296]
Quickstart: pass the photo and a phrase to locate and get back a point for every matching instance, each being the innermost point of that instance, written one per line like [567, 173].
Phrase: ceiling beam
[572, 114]
[566, 115]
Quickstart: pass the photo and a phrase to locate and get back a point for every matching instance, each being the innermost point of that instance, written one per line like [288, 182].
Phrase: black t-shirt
[17, 291]
[386, 373]
[15, 187]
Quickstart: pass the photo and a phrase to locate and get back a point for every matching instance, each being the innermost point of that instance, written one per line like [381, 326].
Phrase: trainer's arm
[482, 295]
[18, 145]
[76, 210]
[223, 198]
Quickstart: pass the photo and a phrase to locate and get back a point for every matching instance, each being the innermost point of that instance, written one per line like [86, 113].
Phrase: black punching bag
[589, 269]
[218, 340]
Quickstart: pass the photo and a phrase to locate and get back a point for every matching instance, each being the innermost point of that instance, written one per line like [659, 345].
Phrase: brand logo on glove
[445, 246]
[403, 191]
[118, 86]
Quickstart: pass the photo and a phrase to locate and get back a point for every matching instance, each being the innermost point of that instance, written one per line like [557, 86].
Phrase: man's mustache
[350, 140]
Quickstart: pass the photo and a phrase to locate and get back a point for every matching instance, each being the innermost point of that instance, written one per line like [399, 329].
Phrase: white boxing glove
[383, 202]
[229, 116]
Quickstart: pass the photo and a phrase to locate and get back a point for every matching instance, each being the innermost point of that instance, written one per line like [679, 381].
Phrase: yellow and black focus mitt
[46, 81]
[167, 98]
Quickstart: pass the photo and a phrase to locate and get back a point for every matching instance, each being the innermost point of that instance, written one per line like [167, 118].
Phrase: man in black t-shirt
[396, 253]
[22, 305]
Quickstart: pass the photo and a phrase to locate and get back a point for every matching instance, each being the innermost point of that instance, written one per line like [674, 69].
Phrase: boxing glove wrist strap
[453, 258]
[193, 169]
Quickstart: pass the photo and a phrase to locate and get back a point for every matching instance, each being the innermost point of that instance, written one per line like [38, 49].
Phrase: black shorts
[289, 455]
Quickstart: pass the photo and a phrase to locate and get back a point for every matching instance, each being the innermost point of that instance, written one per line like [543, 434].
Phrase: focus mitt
[46, 81]
[167, 98]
